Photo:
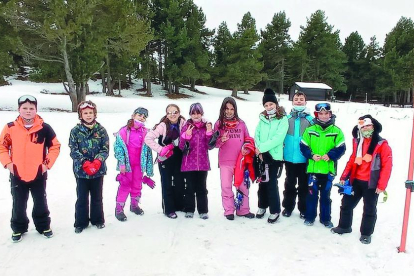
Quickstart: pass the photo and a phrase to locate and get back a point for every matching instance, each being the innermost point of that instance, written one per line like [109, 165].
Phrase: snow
[313, 85]
[155, 245]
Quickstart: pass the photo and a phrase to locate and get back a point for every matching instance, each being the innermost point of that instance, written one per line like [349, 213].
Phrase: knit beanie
[357, 133]
[269, 96]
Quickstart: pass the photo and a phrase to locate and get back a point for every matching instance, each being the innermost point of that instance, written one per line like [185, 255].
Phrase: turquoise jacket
[270, 134]
[298, 122]
[121, 155]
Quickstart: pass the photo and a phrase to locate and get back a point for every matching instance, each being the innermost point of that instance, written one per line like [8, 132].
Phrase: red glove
[91, 168]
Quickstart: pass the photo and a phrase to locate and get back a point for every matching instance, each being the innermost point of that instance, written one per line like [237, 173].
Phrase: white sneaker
[273, 218]
[260, 213]
[189, 215]
[204, 216]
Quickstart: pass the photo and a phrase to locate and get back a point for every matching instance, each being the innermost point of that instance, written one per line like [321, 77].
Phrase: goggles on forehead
[175, 112]
[86, 105]
[141, 111]
[322, 107]
[26, 98]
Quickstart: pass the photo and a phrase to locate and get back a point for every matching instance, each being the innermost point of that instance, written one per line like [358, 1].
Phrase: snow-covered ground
[155, 245]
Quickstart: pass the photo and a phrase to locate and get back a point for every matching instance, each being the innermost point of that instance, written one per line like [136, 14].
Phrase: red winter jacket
[381, 165]
[245, 162]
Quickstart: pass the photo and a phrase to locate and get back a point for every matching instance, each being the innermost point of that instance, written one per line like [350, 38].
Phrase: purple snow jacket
[196, 159]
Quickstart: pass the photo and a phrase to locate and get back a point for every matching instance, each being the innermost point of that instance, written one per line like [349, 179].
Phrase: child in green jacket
[322, 144]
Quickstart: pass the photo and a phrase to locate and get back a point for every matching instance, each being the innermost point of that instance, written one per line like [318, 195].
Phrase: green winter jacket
[270, 134]
[316, 140]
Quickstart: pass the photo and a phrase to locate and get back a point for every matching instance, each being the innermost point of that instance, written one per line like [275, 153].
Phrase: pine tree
[325, 62]
[399, 59]
[354, 49]
[222, 49]
[275, 47]
[244, 68]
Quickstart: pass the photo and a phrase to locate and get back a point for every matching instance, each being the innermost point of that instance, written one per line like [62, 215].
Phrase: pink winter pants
[226, 176]
[130, 183]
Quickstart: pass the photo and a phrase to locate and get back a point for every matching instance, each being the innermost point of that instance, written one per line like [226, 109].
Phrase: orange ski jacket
[28, 149]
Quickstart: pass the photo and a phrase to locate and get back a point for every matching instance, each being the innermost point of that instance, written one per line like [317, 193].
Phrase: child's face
[173, 114]
[299, 100]
[229, 111]
[87, 115]
[27, 111]
[324, 115]
[269, 106]
[196, 117]
[139, 117]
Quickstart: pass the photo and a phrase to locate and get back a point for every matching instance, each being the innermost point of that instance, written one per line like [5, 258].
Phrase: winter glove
[91, 168]
[148, 181]
[238, 199]
[344, 189]
[167, 150]
[312, 181]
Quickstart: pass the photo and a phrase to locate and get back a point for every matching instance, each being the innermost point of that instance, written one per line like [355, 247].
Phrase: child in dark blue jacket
[89, 148]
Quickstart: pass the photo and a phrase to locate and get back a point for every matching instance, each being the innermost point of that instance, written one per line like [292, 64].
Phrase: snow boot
[189, 215]
[260, 213]
[286, 213]
[204, 216]
[17, 237]
[119, 211]
[273, 218]
[365, 239]
[230, 217]
[340, 231]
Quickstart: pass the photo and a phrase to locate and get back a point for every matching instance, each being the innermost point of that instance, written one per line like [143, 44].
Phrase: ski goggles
[322, 107]
[141, 111]
[175, 112]
[86, 105]
[26, 98]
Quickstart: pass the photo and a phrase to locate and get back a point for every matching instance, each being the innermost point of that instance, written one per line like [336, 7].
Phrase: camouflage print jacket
[86, 145]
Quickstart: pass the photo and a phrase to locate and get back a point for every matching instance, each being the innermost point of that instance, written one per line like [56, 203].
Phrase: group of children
[308, 147]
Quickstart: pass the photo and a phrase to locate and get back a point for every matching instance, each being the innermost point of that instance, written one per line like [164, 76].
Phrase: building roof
[312, 85]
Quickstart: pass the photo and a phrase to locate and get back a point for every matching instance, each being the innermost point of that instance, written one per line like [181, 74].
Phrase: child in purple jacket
[195, 136]
[232, 134]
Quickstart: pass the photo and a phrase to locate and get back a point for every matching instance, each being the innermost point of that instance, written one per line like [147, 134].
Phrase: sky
[368, 17]
[153, 244]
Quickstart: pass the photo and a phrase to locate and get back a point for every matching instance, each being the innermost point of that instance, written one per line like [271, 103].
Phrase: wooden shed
[313, 91]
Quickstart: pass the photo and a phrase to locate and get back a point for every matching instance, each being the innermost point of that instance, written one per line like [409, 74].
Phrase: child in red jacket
[368, 171]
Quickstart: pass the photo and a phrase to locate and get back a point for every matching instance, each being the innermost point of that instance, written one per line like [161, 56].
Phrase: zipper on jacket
[198, 149]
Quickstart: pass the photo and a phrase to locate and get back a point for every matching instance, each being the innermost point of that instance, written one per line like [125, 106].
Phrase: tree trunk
[169, 87]
[103, 80]
[120, 86]
[282, 77]
[246, 91]
[176, 88]
[80, 92]
[160, 74]
[87, 88]
[144, 84]
[71, 83]
[234, 92]
[109, 84]
[193, 84]
[149, 91]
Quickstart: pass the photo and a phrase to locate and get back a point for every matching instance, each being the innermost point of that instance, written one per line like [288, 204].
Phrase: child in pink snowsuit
[231, 132]
[134, 159]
